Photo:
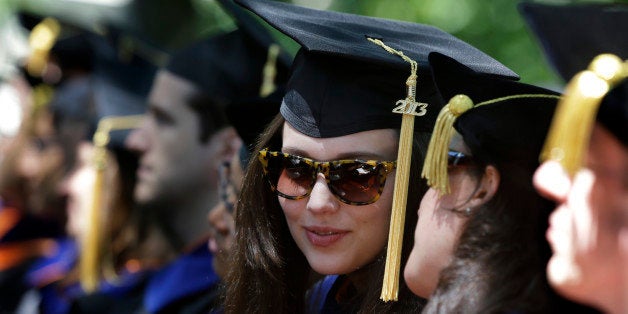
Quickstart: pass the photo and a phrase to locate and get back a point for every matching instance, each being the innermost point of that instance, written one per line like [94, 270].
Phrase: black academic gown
[24, 239]
[323, 297]
[187, 285]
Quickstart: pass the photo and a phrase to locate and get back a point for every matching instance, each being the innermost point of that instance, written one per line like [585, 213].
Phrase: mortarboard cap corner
[554, 26]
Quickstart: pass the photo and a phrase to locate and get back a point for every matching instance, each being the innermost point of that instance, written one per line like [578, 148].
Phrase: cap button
[608, 67]
[459, 104]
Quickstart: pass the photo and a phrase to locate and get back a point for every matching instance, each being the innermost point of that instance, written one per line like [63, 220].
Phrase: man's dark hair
[210, 113]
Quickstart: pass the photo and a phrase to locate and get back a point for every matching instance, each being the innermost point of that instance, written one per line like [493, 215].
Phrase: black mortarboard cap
[120, 85]
[509, 130]
[506, 122]
[572, 35]
[245, 21]
[121, 66]
[229, 66]
[613, 112]
[253, 98]
[342, 83]
[250, 117]
[73, 53]
[71, 100]
[599, 91]
[28, 20]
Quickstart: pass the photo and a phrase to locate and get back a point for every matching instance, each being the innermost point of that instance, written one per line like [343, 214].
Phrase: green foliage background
[494, 27]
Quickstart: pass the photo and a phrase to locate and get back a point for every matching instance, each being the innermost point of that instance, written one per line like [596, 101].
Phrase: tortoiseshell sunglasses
[354, 182]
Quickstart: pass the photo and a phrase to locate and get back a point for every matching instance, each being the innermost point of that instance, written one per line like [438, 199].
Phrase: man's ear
[487, 188]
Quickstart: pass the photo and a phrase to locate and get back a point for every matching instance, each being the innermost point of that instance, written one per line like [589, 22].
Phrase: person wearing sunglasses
[318, 197]
[585, 158]
[260, 111]
[479, 242]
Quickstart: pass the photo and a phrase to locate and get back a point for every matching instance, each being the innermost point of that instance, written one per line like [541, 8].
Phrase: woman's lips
[323, 236]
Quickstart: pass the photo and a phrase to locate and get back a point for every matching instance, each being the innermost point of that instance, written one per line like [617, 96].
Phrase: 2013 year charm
[404, 106]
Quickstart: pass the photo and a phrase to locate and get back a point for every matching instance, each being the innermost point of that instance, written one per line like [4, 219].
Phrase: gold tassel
[407, 107]
[435, 165]
[41, 40]
[573, 121]
[390, 286]
[270, 71]
[42, 95]
[90, 262]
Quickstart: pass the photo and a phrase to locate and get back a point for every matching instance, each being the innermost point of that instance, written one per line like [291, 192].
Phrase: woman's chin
[416, 283]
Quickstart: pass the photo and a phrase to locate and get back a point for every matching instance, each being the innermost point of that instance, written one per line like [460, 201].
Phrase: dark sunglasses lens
[292, 175]
[355, 182]
[455, 159]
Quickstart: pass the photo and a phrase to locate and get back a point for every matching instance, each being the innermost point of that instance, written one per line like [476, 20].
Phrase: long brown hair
[269, 273]
[500, 258]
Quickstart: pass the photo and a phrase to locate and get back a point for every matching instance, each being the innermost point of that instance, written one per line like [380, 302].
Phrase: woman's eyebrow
[345, 155]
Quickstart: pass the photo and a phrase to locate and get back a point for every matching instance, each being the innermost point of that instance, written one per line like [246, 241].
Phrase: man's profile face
[588, 223]
[173, 161]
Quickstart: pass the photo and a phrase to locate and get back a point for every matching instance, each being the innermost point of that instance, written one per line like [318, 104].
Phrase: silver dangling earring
[467, 211]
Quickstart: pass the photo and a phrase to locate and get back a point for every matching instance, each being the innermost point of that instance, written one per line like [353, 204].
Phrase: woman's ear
[487, 188]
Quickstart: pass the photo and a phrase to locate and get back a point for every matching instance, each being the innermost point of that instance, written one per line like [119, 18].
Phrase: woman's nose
[321, 199]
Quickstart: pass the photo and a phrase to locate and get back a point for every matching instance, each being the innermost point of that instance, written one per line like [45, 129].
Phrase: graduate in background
[249, 117]
[585, 168]
[34, 164]
[105, 249]
[181, 144]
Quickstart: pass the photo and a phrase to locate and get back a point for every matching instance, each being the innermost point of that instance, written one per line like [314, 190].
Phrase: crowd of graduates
[387, 167]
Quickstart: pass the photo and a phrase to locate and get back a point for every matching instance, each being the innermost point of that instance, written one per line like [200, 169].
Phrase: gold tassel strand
[90, 262]
[407, 107]
[270, 71]
[42, 38]
[435, 165]
[573, 121]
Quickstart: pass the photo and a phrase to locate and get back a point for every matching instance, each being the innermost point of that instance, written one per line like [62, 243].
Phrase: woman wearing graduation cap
[319, 197]
[479, 244]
